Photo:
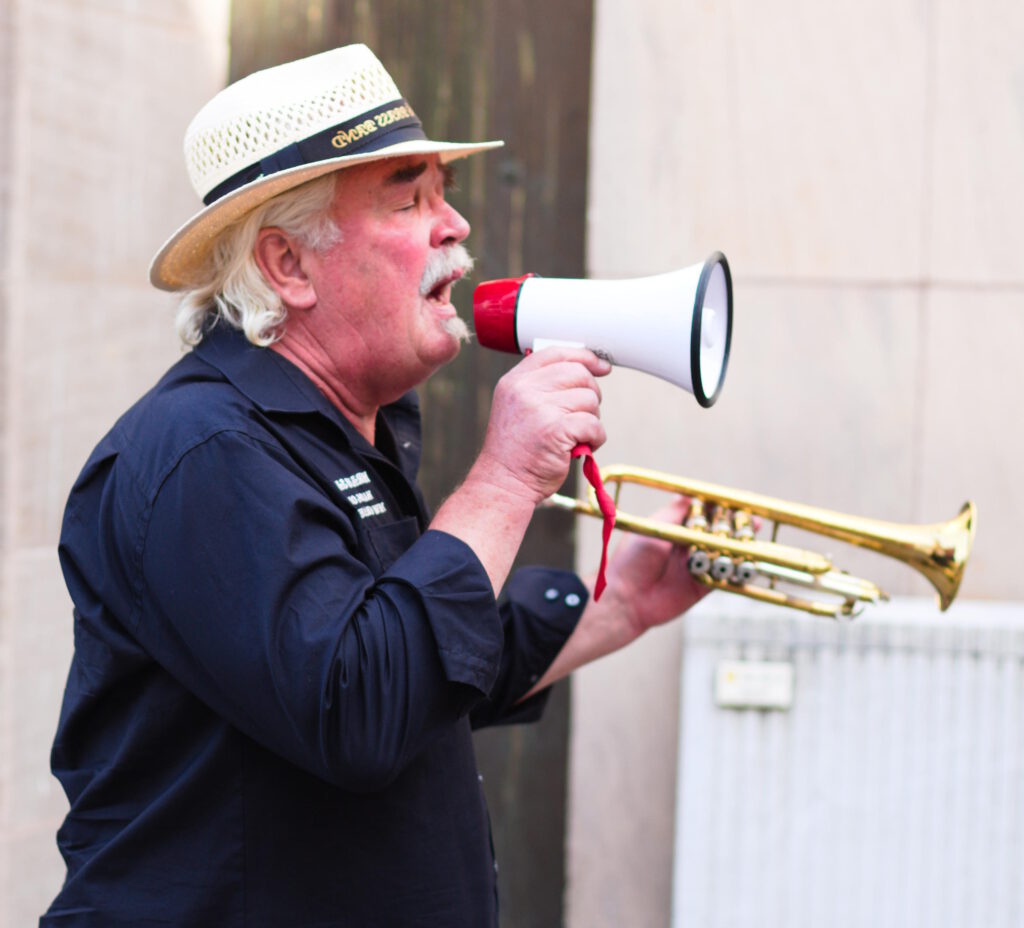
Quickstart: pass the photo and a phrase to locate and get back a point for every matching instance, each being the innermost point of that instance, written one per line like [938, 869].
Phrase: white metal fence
[888, 789]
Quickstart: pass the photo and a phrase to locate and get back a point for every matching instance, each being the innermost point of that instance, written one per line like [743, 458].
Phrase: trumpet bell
[942, 562]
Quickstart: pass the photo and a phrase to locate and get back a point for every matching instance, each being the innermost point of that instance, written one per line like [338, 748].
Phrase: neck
[359, 411]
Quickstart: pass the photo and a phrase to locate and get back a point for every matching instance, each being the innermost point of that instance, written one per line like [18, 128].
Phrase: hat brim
[176, 264]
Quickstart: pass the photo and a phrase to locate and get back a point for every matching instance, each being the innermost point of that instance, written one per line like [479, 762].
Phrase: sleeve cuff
[540, 611]
[555, 600]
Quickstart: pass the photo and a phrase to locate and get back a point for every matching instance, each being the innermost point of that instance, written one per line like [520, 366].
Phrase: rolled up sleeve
[448, 578]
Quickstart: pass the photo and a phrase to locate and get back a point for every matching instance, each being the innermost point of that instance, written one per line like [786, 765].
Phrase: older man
[279, 655]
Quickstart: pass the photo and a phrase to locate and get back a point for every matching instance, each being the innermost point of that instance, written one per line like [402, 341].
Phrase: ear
[279, 257]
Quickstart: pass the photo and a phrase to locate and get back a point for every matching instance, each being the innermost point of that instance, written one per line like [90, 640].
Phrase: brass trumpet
[725, 553]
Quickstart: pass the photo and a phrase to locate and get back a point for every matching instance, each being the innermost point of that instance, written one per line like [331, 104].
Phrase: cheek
[384, 261]
[402, 251]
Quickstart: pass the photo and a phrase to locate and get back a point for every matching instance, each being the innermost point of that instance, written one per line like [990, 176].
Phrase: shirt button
[480, 777]
[551, 594]
[572, 600]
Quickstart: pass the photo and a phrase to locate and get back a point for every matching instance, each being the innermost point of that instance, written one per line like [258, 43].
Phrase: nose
[450, 227]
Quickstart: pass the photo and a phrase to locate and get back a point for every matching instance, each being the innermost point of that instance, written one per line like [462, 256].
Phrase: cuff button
[572, 600]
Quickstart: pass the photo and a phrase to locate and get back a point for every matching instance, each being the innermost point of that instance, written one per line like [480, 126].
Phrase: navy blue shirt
[277, 666]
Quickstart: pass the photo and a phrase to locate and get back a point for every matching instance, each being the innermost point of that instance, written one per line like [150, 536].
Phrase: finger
[580, 399]
[674, 512]
[583, 428]
[554, 354]
[568, 375]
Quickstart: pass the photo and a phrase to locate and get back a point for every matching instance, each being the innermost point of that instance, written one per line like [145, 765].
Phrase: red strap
[607, 506]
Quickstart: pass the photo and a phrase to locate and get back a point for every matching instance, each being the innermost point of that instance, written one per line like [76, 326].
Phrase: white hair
[233, 289]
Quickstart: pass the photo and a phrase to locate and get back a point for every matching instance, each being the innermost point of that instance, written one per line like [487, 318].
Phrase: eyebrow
[409, 173]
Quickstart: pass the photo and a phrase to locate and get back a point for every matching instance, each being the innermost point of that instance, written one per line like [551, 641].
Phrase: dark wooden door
[517, 70]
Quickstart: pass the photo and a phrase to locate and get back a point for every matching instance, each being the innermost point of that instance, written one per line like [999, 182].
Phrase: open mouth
[442, 290]
[441, 293]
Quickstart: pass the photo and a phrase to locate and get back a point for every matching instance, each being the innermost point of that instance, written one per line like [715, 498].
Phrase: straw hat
[281, 127]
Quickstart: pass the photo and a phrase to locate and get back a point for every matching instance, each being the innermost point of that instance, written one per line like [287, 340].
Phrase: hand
[545, 406]
[649, 582]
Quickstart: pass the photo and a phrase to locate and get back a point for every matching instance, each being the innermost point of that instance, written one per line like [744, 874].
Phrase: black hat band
[373, 130]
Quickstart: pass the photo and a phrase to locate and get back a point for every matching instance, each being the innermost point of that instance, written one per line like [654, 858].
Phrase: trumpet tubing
[726, 554]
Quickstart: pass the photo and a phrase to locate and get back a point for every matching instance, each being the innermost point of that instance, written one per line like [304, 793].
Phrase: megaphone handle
[607, 506]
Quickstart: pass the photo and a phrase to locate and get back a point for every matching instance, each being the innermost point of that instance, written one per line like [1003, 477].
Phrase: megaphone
[676, 326]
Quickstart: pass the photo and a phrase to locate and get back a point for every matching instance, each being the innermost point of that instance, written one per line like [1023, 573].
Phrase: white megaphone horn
[676, 326]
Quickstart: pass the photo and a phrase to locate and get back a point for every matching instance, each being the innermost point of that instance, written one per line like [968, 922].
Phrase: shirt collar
[274, 384]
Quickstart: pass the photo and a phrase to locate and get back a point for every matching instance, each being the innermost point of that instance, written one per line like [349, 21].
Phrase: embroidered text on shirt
[359, 479]
[364, 499]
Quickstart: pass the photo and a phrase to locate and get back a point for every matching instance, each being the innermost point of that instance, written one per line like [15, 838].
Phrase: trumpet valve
[743, 523]
[722, 568]
[745, 573]
[697, 520]
[699, 563]
[722, 524]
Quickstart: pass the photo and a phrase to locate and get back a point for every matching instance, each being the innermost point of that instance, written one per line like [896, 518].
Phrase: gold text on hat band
[344, 137]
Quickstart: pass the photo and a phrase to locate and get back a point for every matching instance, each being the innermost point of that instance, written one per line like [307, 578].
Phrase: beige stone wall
[860, 166]
[94, 98]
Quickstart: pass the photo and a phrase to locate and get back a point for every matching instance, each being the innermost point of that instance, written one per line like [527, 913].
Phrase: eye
[410, 204]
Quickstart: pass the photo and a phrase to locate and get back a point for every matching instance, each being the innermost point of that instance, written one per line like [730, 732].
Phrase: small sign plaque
[754, 684]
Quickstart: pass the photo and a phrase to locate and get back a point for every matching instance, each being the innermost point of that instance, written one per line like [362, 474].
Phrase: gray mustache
[442, 264]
